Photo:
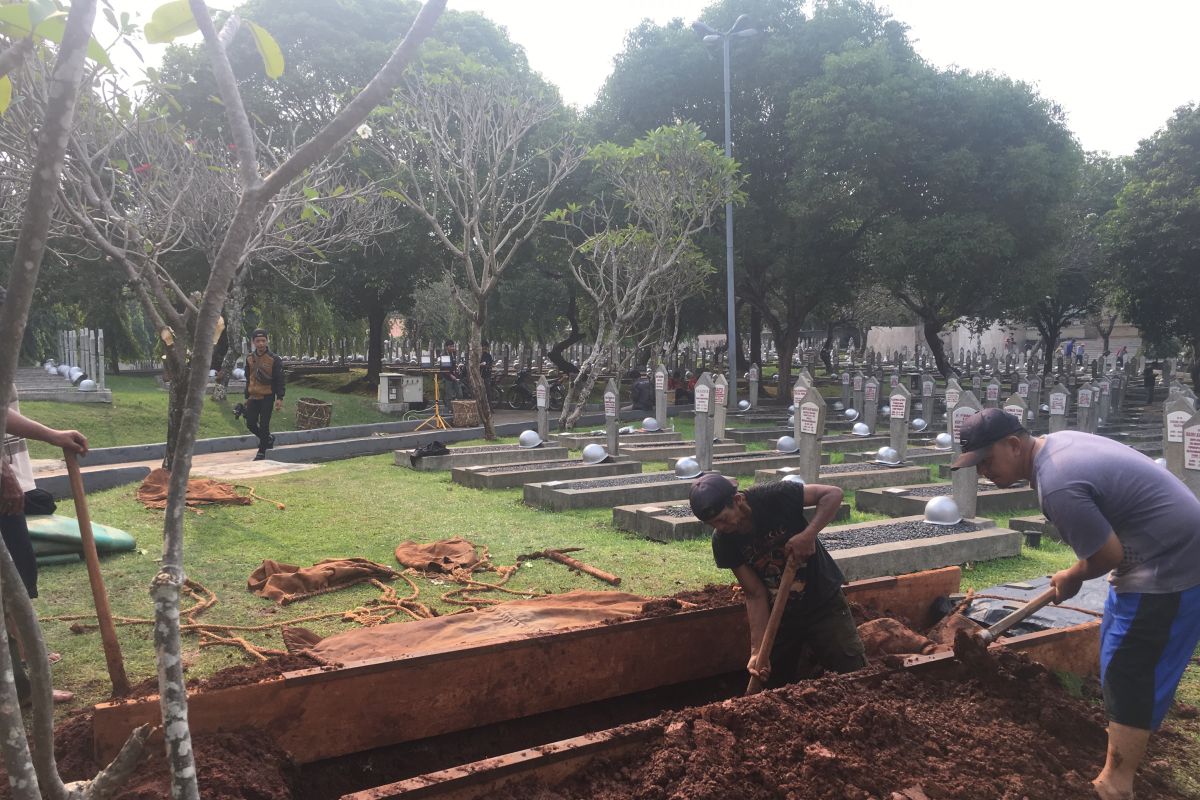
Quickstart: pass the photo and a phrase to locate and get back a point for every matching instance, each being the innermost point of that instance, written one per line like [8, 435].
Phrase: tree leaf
[40, 10]
[52, 29]
[170, 21]
[5, 94]
[268, 48]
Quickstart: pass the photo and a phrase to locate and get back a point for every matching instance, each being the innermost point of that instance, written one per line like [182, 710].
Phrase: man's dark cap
[710, 495]
[259, 332]
[980, 431]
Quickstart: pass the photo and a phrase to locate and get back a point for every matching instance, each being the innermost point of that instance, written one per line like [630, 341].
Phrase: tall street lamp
[712, 36]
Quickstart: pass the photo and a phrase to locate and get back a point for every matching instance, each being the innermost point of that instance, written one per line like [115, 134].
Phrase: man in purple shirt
[1121, 513]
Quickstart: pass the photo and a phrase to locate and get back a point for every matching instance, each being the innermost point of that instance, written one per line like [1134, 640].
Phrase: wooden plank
[548, 764]
[1075, 649]
[911, 596]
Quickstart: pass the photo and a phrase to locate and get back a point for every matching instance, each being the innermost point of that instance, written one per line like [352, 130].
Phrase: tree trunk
[376, 320]
[755, 335]
[932, 329]
[785, 345]
[235, 306]
[176, 403]
[474, 376]
[556, 352]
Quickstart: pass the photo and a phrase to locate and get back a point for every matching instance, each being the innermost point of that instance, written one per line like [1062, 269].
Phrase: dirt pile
[231, 766]
[711, 596]
[1004, 729]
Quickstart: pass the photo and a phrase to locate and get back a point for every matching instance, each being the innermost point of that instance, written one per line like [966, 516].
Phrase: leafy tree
[1078, 269]
[1154, 235]
[478, 153]
[634, 256]
[965, 176]
[795, 249]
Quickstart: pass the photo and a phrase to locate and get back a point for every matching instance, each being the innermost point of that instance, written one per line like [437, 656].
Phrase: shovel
[108, 633]
[768, 641]
[986, 637]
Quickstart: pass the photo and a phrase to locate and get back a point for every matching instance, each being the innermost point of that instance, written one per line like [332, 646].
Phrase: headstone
[992, 397]
[1176, 415]
[858, 384]
[894, 380]
[927, 389]
[1191, 454]
[100, 358]
[542, 395]
[845, 379]
[752, 376]
[660, 396]
[870, 409]
[720, 405]
[965, 481]
[800, 390]
[900, 405]
[1034, 398]
[1085, 408]
[976, 384]
[704, 416]
[1015, 405]
[612, 401]
[953, 392]
[1059, 402]
[810, 427]
[1102, 409]
[1116, 401]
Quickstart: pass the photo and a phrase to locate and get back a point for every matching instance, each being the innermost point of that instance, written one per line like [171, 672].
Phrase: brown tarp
[505, 622]
[286, 583]
[441, 556]
[200, 491]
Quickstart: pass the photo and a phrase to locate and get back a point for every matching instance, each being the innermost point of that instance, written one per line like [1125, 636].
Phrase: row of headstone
[83, 348]
[1181, 435]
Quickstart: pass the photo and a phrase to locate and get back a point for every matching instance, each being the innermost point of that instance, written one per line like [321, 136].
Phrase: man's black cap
[980, 431]
[710, 495]
[259, 332]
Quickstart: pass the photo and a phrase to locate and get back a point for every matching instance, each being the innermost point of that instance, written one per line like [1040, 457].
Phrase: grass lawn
[138, 413]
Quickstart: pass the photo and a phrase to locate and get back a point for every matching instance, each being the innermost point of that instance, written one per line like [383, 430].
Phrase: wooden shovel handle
[1021, 613]
[768, 640]
[108, 632]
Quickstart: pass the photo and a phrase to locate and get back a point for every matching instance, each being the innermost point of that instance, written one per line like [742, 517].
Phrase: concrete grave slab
[479, 456]
[578, 441]
[972, 540]
[903, 501]
[853, 477]
[665, 522]
[662, 452]
[1034, 528]
[509, 476]
[646, 487]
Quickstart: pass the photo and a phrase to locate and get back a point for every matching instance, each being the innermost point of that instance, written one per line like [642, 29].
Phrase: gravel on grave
[890, 532]
[533, 465]
[752, 454]
[487, 448]
[946, 488]
[623, 480]
[865, 466]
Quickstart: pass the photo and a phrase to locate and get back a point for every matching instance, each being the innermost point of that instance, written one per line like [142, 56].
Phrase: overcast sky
[1118, 68]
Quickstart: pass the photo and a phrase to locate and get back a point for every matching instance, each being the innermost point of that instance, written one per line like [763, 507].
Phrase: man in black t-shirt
[755, 532]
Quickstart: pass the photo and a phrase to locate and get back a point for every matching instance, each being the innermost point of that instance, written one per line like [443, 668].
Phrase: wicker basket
[465, 413]
[313, 413]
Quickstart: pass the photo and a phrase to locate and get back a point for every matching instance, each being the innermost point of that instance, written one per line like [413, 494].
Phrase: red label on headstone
[701, 403]
[1191, 447]
[798, 394]
[1175, 422]
[541, 397]
[858, 383]
[610, 404]
[1022, 390]
[899, 406]
[660, 382]
[872, 393]
[993, 392]
[720, 392]
[1058, 404]
[952, 396]
[810, 414]
[1085, 398]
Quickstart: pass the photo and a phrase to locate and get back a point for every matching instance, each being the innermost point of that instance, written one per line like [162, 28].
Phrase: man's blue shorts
[1146, 641]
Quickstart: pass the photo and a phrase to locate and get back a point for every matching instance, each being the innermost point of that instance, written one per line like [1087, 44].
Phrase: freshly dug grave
[1002, 728]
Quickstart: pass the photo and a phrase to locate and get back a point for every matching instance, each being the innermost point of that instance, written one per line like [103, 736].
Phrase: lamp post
[712, 36]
